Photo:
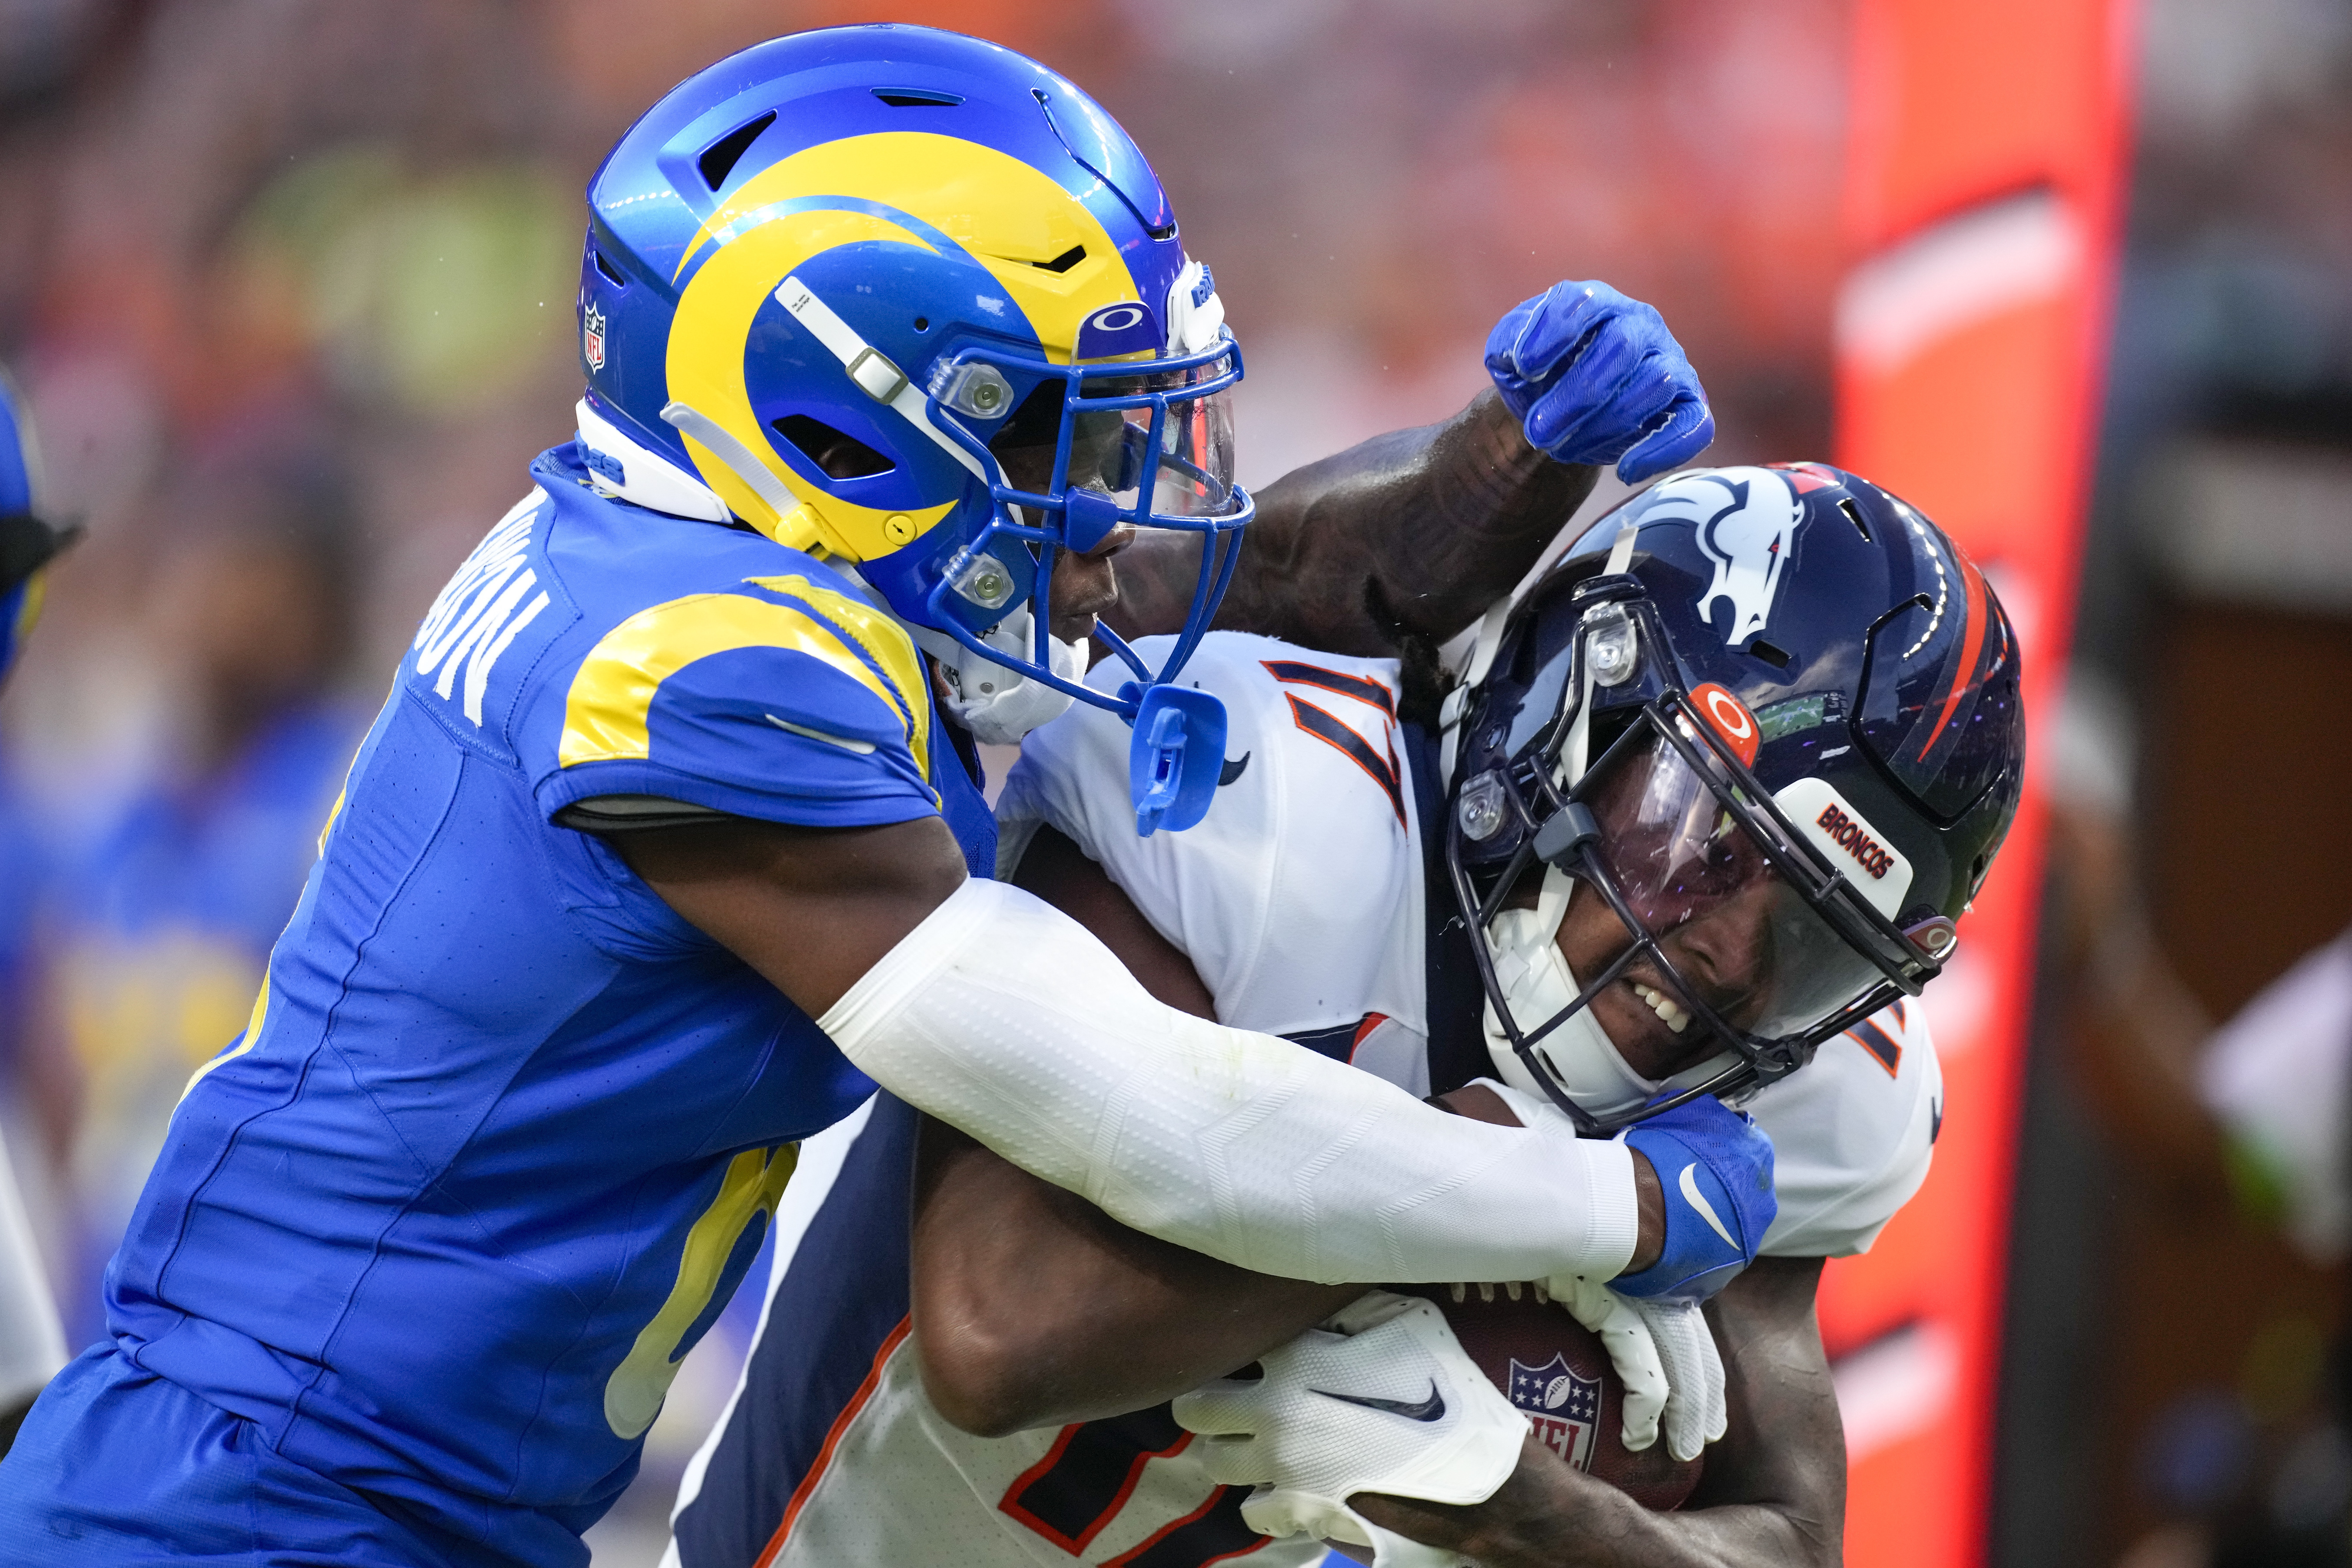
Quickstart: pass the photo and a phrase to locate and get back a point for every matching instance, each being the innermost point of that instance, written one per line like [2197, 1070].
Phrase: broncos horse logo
[1746, 521]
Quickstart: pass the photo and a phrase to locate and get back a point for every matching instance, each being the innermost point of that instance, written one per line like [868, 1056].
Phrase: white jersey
[1300, 901]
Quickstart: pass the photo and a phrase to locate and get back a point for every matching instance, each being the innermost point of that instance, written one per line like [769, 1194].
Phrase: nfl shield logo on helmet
[591, 337]
[1564, 1408]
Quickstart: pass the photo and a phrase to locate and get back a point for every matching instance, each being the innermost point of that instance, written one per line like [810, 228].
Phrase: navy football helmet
[1768, 718]
[27, 544]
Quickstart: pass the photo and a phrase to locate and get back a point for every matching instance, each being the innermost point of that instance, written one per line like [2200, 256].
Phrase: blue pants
[117, 1466]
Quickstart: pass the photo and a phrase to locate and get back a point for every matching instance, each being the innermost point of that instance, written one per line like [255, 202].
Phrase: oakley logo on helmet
[1729, 718]
[1848, 841]
[1746, 521]
[1129, 328]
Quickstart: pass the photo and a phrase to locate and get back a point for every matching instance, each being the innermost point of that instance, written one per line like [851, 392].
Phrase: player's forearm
[1032, 1308]
[1002, 1017]
[1417, 529]
[1551, 1515]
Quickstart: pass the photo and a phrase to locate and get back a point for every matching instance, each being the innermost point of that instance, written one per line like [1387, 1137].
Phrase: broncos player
[32, 1343]
[1790, 635]
[659, 857]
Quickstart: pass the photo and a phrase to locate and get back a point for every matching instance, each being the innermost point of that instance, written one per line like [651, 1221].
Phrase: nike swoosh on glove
[1716, 1165]
[1662, 1350]
[1595, 377]
[1381, 1399]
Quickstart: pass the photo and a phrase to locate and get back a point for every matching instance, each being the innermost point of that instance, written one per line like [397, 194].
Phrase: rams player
[1791, 636]
[659, 855]
[32, 1344]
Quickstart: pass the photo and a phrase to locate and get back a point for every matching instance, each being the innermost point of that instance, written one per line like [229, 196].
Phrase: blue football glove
[1595, 377]
[1715, 1166]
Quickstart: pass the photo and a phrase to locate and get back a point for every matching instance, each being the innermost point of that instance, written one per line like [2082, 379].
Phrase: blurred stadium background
[289, 286]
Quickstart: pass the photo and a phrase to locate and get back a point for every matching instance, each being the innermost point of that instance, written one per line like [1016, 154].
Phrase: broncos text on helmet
[1726, 778]
[915, 302]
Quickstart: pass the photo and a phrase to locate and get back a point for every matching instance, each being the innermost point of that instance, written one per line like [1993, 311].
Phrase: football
[1556, 1371]
[1553, 1367]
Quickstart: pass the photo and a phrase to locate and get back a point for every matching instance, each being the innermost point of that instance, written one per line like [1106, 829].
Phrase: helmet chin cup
[1175, 757]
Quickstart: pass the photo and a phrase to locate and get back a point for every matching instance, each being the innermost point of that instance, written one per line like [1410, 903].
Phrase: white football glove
[1664, 1355]
[1381, 1399]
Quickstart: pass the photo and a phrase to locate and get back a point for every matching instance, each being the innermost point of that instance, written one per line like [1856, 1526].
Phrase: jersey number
[1326, 726]
[1071, 1495]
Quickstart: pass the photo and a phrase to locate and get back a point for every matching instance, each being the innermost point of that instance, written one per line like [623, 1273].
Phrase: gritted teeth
[1670, 1012]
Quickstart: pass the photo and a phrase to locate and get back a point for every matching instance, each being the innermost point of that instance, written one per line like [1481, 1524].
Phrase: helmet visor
[1731, 929]
[1160, 444]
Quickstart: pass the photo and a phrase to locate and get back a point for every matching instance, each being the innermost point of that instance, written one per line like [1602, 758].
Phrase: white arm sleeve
[32, 1343]
[1004, 1017]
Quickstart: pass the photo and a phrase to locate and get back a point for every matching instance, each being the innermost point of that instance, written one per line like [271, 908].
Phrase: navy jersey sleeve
[779, 698]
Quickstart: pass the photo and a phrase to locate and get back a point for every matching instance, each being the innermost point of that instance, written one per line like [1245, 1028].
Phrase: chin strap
[996, 702]
[1486, 641]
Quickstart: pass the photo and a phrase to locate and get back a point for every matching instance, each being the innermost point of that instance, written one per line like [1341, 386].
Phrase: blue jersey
[504, 1131]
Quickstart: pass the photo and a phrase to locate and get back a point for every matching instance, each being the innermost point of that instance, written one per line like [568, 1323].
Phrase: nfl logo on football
[591, 337]
[1564, 1408]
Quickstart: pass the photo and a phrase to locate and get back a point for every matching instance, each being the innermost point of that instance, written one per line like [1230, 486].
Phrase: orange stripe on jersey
[1137, 1557]
[833, 1441]
[1884, 1048]
[1355, 686]
[1327, 728]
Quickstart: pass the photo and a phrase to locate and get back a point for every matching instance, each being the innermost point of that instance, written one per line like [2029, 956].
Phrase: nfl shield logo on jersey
[1564, 1408]
[591, 337]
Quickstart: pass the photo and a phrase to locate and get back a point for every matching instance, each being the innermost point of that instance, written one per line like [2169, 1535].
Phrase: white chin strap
[1536, 980]
[1537, 984]
[997, 703]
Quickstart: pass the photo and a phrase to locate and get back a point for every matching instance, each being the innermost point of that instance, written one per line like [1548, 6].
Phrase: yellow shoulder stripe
[884, 641]
[604, 714]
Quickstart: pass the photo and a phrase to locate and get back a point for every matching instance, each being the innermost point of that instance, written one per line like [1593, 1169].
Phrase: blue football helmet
[27, 544]
[1766, 723]
[916, 304]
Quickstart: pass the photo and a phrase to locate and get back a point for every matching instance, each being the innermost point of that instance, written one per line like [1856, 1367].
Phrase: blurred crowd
[289, 288]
